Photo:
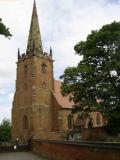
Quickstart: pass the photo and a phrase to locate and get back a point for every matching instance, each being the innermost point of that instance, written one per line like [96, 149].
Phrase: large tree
[95, 83]
[5, 131]
[4, 30]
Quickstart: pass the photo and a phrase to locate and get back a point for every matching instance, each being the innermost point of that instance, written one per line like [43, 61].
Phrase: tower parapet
[34, 53]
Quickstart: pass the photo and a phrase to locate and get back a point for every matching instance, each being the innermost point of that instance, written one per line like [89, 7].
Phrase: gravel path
[20, 156]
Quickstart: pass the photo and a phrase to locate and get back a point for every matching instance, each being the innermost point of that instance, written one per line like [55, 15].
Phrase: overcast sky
[63, 23]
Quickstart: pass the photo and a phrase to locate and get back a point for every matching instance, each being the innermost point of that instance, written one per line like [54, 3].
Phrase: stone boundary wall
[21, 148]
[68, 150]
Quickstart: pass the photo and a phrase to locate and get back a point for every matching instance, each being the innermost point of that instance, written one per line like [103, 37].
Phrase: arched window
[25, 69]
[70, 121]
[98, 119]
[44, 85]
[44, 67]
[25, 122]
[90, 123]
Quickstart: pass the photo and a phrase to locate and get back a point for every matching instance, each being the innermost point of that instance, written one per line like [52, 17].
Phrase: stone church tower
[31, 112]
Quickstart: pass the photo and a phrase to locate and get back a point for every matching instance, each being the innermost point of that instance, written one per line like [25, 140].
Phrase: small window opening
[44, 68]
[25, 69]
[70, 121]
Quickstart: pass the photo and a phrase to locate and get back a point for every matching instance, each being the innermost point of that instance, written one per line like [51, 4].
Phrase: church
[39, 109]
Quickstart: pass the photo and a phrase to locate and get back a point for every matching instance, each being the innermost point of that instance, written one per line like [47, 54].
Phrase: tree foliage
[97, 76]
[5, 131]
[4, 30]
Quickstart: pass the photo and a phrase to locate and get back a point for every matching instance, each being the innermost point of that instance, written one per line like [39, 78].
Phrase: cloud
[2, 92]
[5, 112]
[10, 96]
[63, 24]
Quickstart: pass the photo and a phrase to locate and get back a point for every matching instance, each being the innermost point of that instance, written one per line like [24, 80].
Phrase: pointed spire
[34, 40]
[18, 53]
[50, 51]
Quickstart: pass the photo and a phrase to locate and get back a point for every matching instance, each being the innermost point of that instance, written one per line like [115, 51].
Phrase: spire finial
[34, 33]
[34, 8]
